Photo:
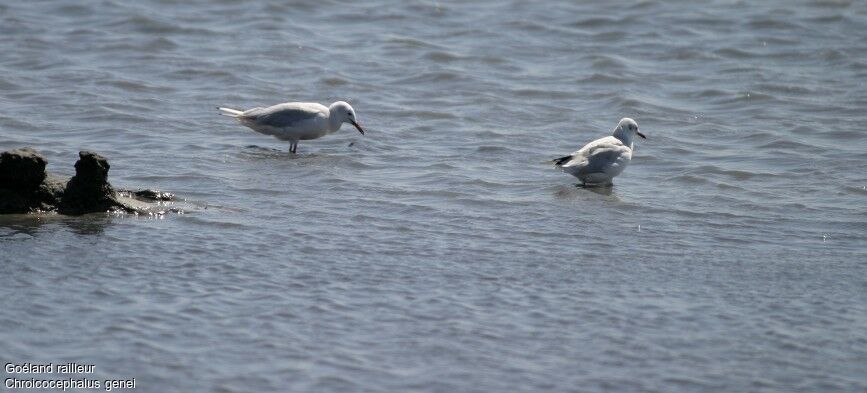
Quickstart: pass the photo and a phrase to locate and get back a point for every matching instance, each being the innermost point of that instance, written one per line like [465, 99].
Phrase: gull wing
[596, 157]
[282, 115]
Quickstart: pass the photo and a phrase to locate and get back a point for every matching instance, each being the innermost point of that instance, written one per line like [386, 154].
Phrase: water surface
[441, 252]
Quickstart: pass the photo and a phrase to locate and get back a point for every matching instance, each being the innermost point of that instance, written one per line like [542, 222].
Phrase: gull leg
[293, 146]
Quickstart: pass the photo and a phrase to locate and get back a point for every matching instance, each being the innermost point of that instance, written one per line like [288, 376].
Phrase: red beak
[358, 126]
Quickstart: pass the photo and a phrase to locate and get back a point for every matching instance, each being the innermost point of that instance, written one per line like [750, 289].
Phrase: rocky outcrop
[24, 168]
[25, 187]
[89, 191]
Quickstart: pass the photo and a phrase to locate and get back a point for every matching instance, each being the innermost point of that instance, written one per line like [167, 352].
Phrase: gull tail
[230, 112]
[562, 160]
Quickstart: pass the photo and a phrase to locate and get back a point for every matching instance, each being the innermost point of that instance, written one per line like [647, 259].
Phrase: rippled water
[441, 252]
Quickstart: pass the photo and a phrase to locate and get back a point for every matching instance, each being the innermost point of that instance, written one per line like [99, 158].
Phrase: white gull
[601, 160]
[296, 121]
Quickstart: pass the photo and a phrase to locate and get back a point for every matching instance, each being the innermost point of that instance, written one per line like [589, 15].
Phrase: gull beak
[358, 126]
[640, 134]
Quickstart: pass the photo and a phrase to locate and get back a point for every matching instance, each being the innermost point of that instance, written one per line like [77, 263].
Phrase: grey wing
[595, 158]
[598, 161]
[280, 116]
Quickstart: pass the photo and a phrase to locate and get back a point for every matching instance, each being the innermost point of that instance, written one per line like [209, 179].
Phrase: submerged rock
[154, 195]
[25, 187]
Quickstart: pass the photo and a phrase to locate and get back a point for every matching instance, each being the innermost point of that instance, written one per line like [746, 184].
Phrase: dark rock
[51, 190]
[154, 195]
[89, 191]
[26, 188]
[14, 201]
[92, 168]
[21, 169]
[24, 185]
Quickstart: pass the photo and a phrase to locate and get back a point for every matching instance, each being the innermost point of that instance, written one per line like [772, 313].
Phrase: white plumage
[296, 121]
[598, 162]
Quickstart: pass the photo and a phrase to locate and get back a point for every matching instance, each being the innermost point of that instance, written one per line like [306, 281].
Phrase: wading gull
[296, 121]
[601, 160]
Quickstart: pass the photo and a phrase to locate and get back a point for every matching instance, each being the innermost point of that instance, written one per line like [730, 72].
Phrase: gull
[601, 160]
[296, 121]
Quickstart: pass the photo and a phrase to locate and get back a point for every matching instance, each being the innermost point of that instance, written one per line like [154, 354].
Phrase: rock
[153, 195]
[51, 190]
[89, 191]
[14, 201]
[22, 169]
[26, 188]
[91, 167]
[24, 185]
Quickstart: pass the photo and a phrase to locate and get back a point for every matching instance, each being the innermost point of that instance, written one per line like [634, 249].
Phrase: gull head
[628, 127]
[343, 113]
